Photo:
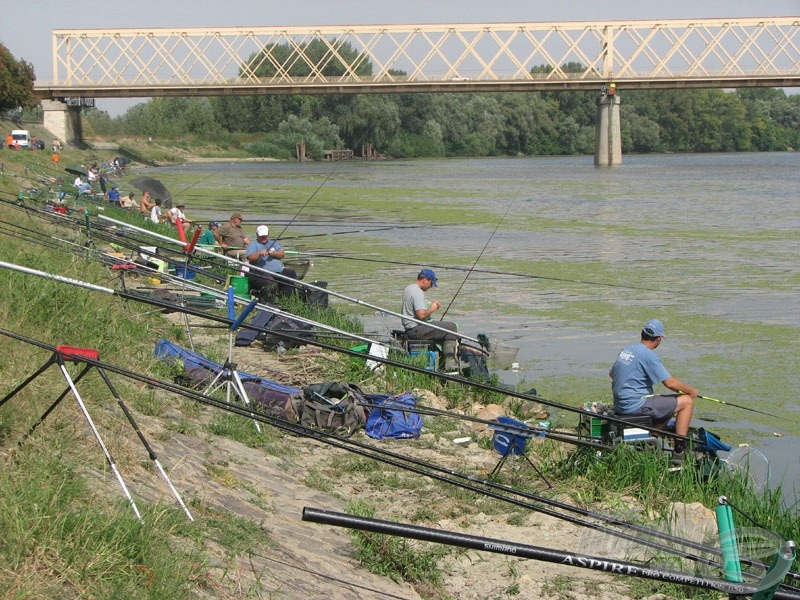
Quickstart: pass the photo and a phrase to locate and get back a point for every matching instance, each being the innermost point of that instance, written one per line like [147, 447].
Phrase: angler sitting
[633, 375]
[266, 254]
[414, 305]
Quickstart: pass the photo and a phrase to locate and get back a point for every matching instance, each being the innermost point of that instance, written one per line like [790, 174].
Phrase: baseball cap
[213, 224]
[181, 205]
[654, 328]
[430, 275]
[262, 230]
[236, 216]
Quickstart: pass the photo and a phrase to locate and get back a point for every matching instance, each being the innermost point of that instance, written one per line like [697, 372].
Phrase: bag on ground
[336, 408]
[393, 417]
[280, 324]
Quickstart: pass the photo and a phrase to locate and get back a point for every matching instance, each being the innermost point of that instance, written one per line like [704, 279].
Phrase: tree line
[480, 124]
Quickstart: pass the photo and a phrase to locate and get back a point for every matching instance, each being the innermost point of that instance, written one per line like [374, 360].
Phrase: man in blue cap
[415, 305]
[637, 369]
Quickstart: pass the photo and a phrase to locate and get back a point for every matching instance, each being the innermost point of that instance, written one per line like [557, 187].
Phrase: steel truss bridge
[698, 53]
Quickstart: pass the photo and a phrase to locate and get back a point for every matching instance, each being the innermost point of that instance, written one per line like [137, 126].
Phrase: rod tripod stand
[60, 357]
[228, 375]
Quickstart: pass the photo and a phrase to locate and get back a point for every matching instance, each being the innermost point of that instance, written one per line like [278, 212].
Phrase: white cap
[262, 230]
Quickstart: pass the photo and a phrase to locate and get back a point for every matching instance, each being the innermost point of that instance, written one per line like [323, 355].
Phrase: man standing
[637, 369]
[231, 237]
[266, 254]
[415, 305]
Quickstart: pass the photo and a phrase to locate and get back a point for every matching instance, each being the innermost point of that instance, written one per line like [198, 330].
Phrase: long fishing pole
[311, 197]
[585, 561]
[497, 272]
[485, 246]
[755, 410]
[402, 462]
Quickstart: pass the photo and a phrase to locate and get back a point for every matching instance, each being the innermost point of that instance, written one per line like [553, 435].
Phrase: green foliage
[16, 82]
[395, 557]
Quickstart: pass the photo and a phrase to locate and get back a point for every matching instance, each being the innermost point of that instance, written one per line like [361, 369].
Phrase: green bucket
[241, 287]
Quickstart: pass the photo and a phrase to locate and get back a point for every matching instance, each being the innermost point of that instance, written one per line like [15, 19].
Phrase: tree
[16, 82]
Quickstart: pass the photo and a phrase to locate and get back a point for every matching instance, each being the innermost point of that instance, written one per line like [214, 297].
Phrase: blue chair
[511, 439]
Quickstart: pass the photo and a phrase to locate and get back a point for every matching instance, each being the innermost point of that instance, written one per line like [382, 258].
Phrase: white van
[22, 137]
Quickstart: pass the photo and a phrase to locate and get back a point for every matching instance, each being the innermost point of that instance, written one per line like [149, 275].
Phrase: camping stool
[511, 439]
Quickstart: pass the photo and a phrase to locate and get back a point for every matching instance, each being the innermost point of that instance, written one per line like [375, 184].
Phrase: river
[564, 261]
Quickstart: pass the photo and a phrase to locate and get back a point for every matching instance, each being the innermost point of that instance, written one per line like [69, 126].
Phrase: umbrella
[155, 188]
[77, 171]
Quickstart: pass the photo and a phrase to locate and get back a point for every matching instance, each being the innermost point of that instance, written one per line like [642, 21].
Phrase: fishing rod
[372, 229]
[496, 272]
[311, 197]
[293, 281]
[485, 246]
[417, 466]
[718, 401]
[585, 561]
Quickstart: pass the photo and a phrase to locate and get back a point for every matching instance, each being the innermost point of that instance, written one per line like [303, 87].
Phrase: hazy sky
[26, 25]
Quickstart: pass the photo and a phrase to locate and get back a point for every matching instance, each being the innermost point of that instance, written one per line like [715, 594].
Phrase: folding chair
[511, 439]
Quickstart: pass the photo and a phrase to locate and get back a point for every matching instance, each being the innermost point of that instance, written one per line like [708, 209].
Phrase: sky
[26, 25]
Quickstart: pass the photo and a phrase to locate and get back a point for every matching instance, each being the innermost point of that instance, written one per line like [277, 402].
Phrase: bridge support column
[607, 138]
[63, 121]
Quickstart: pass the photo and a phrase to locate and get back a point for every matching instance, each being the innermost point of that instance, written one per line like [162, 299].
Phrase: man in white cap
[637, 369]
[415, 305]
[266, 254]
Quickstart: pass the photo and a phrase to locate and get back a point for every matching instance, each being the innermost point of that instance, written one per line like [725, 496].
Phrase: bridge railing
[446, 55]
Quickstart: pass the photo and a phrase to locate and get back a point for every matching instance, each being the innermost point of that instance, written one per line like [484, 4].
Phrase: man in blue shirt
[266, 254]
[637, 369]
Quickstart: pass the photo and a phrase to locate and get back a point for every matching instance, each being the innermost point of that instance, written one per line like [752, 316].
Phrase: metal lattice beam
[396, 58]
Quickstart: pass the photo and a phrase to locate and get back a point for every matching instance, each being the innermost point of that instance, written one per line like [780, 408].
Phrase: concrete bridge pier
[607, 138]
[63, 121]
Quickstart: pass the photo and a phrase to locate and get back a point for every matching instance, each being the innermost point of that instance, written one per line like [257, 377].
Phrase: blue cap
[430, 275]
[654, 328]
[213, 224]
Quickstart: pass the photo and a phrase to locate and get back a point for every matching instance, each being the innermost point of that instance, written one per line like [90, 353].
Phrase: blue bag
[393, 417]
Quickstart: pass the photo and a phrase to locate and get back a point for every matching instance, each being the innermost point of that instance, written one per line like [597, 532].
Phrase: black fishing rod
[497, 272]
[584, 561]
[372, 229]
[408, 463]
[311, 197]
[485, 246]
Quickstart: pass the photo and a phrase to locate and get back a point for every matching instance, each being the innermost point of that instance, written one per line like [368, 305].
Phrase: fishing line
[486, 245]
[311, 197]
[504, 273]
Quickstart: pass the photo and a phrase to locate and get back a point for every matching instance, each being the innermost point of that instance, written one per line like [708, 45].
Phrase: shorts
[659, 408]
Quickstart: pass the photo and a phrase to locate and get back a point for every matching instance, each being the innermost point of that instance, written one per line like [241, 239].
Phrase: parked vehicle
[22, 137]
